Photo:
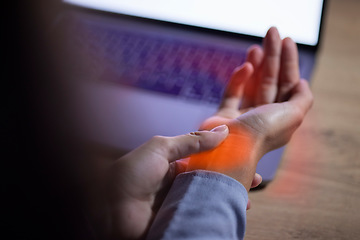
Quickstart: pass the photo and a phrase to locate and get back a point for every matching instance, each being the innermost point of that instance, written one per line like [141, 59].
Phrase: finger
[256, 181]
[175, 168]
[174, 148]
[302, 97]
[254, 56]
[234, 90]
[289, 70]
[248, 206]
[267, 85]
[277, 122]
[181, 165]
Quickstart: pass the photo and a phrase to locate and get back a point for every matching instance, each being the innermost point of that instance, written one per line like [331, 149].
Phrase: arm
[202, 205]
[263, 105]
[134, 187]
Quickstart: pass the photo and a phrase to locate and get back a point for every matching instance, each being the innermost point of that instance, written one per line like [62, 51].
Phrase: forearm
[202, 205]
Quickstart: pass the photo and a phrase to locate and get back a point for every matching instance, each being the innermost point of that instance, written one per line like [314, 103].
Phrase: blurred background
[315, 194]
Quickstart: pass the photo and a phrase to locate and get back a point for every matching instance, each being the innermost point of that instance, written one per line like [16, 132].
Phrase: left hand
[264, 103]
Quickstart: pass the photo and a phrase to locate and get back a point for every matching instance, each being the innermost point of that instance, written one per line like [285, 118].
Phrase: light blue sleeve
[202, 205]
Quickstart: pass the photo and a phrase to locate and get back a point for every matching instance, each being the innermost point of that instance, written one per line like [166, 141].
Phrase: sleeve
[202, 205]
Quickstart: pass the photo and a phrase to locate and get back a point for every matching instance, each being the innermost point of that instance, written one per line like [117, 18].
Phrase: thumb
[174, 148]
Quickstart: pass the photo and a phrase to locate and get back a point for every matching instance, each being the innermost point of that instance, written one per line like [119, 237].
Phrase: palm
[141, 199]
[257, 95]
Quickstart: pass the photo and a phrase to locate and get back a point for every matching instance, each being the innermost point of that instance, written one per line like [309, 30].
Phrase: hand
[138, 182]
[264, 103]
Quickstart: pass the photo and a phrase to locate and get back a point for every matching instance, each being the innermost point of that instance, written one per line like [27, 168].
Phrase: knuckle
[289, 78]
[163, 145]
[298, 116]
[159, 141]
[197, 143]
[268, 81]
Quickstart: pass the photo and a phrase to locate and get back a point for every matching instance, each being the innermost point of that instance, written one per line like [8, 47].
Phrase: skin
[264, 103]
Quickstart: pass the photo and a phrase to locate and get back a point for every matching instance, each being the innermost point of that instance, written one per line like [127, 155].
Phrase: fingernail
[221, 128]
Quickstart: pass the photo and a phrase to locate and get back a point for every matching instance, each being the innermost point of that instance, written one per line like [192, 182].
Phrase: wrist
[236, 157]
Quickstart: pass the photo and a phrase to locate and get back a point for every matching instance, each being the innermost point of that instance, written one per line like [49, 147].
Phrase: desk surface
[316, 193]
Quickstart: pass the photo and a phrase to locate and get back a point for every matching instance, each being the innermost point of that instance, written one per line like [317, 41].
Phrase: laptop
[159, 67]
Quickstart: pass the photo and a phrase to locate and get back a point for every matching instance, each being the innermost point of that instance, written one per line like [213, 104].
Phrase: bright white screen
[298, 19]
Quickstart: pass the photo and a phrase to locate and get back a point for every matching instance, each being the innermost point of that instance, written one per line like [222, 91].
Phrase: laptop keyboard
[162, 64]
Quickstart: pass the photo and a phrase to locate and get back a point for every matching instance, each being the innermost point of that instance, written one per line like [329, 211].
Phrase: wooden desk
[316, 193]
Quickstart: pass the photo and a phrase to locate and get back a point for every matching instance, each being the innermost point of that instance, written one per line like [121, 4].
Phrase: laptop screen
[298, 19]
